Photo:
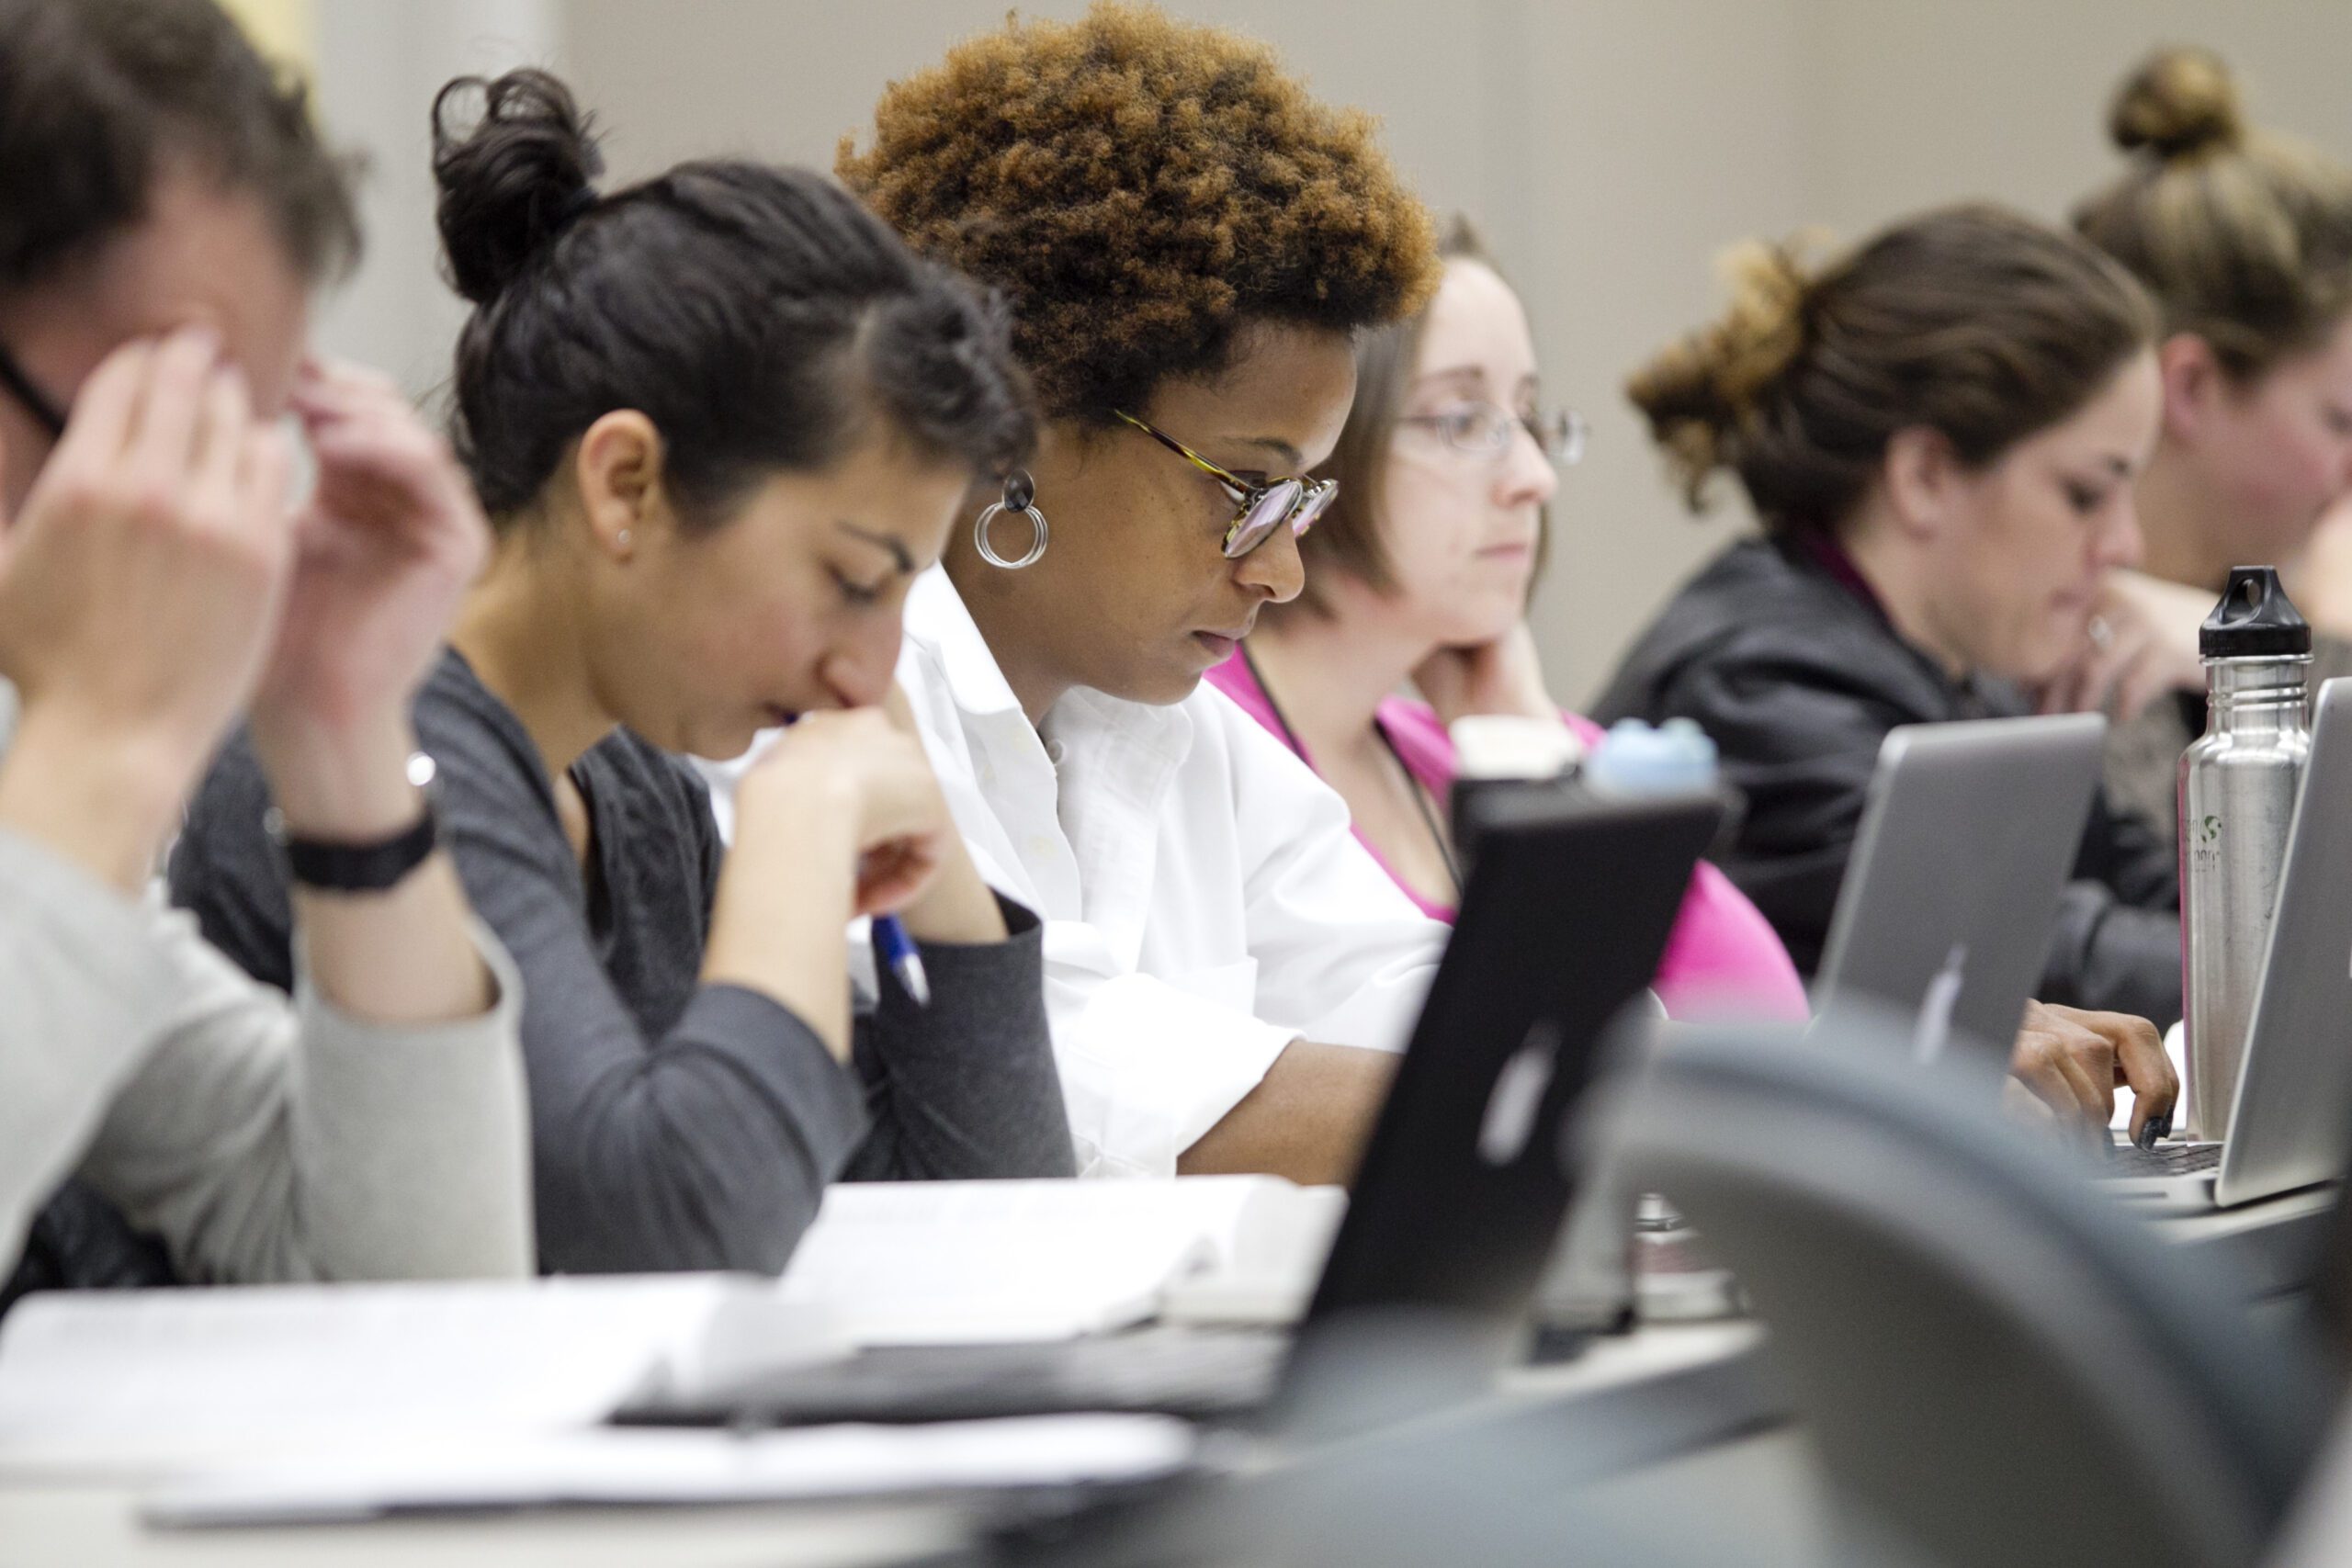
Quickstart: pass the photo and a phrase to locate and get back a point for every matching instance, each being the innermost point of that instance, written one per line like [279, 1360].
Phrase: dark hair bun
[511, 179]
[941, 359]
[2179, 102]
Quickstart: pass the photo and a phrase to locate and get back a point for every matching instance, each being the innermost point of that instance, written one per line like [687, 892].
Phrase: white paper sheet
[975, 1262]
[135, 1382]
[622, 1466]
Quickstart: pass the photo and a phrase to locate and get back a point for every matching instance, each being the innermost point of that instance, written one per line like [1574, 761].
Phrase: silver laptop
[2291, 1125]
[1969, 834]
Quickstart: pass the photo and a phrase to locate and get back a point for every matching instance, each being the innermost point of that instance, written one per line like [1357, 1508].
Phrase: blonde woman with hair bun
[1939, 432]
[2244, 237]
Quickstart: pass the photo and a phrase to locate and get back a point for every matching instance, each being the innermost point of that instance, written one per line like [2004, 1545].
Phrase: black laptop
[1462, 1191]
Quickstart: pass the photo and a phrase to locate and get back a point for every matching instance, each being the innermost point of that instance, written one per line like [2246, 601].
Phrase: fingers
[2105, 671]
[222, 443]
[174, 416]
[895, 875]
[99, 429]
[2088, 1063]
[2141, 1064]
[2149, 677]
[2064, 691]
[264, 473]
[2036, 1065]
[2068, 1066]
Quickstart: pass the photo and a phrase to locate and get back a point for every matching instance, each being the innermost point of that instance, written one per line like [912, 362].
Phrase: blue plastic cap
[1675, 758]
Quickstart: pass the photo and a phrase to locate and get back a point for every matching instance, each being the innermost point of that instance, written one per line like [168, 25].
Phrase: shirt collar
[1822, 548]
[937, 622]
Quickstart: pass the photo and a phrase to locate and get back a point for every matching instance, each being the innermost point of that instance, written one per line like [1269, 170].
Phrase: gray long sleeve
[263, 1140]
[675, 1125]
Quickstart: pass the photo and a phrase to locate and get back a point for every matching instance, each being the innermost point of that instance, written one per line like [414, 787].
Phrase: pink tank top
[1722, 961]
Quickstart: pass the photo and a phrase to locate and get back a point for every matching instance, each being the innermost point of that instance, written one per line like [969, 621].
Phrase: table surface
[95, 1522]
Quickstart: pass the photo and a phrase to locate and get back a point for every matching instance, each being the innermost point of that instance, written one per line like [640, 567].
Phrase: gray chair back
[1996, 1364]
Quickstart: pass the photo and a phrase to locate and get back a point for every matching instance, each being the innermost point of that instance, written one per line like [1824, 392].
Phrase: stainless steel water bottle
[2237, 801]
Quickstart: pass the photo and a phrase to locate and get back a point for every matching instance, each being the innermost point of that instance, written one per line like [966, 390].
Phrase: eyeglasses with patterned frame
[1261, 505]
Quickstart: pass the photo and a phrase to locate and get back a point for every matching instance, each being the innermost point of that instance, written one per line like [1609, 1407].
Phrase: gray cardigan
[674, 1124]
[261, 1140]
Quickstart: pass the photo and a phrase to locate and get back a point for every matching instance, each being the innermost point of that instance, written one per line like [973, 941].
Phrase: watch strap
[368, 868]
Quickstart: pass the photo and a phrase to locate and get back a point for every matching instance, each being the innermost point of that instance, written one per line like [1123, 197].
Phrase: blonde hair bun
[1701, 393]
[2180, 102]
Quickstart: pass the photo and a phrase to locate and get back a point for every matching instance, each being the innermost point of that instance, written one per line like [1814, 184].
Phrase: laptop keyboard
[2164, 1159]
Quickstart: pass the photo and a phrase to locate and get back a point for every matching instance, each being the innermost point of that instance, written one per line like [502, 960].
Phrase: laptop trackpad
[2158, 1195]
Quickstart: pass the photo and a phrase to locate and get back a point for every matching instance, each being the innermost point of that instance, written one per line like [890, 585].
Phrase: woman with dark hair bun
[719, 419]
[1939, 432]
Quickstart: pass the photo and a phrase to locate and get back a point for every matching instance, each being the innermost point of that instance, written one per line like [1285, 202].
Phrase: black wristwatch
[334, 866]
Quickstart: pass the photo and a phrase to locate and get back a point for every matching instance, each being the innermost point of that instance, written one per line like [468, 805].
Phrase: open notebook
[145, 1381]
[981, 1262]
[140, 1381]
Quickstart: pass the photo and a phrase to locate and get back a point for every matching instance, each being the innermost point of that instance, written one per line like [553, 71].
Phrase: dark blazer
[1798, 677]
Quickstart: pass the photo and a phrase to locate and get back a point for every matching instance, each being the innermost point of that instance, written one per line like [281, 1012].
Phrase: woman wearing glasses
[1420, 571]
[1226, 970]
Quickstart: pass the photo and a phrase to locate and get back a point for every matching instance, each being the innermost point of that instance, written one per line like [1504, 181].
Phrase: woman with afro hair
[1187, 243]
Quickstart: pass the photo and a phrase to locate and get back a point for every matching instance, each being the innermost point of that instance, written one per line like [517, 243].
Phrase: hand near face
[388, 543]
[866, 780]
[142, 582]
[2144, 644]
[1504, 676]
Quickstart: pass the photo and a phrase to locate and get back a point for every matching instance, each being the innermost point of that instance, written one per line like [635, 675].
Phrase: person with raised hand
[719, 419]
[154, 583]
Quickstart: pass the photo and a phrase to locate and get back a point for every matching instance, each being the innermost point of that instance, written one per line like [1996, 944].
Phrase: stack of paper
[975, 1262]
[139, 1380]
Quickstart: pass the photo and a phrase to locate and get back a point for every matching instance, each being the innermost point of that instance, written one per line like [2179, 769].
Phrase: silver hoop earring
[1020, 496]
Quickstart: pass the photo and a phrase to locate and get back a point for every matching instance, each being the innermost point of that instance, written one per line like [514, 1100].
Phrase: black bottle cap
[2254, 619]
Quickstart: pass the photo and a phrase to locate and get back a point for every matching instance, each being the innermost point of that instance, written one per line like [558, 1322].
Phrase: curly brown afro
[1141, 189]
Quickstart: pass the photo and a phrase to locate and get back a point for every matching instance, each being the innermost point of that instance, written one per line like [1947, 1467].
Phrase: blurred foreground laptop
[1462, 1190]
[1969, 835]
[2291, 1124]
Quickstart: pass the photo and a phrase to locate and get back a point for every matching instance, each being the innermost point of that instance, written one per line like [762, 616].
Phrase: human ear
[2193, 382]
[618, 467]
[1922, 473]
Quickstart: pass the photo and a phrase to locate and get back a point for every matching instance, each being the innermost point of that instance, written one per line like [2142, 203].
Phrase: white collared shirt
[1204, 903]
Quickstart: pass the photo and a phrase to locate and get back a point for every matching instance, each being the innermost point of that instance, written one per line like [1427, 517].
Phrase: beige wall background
[1610, 148]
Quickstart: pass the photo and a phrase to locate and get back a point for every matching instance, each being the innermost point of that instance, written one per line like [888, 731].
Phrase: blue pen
[899, 952]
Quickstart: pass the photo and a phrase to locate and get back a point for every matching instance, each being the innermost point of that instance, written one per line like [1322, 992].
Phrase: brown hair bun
[1699, 394]
[2243, 235]
[2178, 104]
[1974, 322]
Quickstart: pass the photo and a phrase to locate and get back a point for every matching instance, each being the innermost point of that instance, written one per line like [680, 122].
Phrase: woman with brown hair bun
[2244, 239]
[1939, 432]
